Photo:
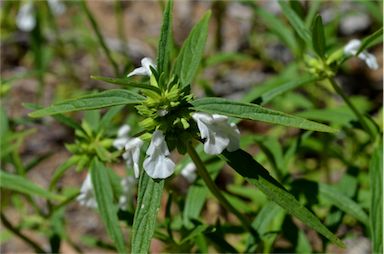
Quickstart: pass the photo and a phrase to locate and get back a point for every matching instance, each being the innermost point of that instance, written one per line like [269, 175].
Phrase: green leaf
[93, 101]
[318, 37]
[192, 51]
[271, 94]
[376, 209]
[313, 8]
[255, 112]
[371, 40]
[59, 117]
[268, 220]
[128, 83]
[255, 173]
[282, 31]
[295, 21]
[165, 42]
[107, 117]
[23, 185]
[59, 172]
[104, 197]
[148, 204]
[194, 202]
[343, 202]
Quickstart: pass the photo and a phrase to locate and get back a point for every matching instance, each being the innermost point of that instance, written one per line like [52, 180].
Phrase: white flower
[25, 18]
[145, 69]
[352, 48]
[219, 134]
[87, 194]
[189, 172]
[122, 137]
[132, 154]
[158, 165]
[128, 187]
[56, 7]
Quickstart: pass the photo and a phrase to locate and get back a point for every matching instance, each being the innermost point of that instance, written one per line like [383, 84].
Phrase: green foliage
[148, 204]
[318, 37]
[255, 112]
[21, 184]
[93, 101]
[376, 207]
[104, 197]
[251, 170]
[324, 179]
[192, 51]
[165, 41]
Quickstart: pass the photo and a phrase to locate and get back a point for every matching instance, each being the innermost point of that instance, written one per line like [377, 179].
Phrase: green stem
[358, 114]
[100, 36]
[17, 232]
[203, 173]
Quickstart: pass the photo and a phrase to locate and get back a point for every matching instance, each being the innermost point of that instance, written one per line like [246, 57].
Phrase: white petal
[87, 195]
[159, 166]
[219, 134]
[216, 144]
[123, 130]
[202, 121]
[233, 134]
[189, 172]
[352, 47]
[370, 60]
[219, 118]
[146, 62]
[158, 144]
[134, 143]
[138, 71]
[132, 154]
[145, 69]
[56, 6]
[25, 19]
[119, 143]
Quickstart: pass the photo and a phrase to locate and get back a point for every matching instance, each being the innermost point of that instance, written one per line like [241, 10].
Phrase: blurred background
[50, 55]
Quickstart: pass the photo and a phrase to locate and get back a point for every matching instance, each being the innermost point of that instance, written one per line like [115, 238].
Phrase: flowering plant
[174, 123]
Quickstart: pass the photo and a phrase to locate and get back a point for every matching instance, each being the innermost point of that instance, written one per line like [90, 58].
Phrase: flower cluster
[132, 148]
[87, 194]
[353, 47]
[218, 134]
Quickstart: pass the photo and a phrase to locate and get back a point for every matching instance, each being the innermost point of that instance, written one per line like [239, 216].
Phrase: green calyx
[89, 144]
[318, 67]
[169, 108]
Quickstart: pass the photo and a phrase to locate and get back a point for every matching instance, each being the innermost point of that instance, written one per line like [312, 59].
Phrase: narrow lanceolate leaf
[20, 184]
[255, 173]
[148, 203]
[295, 21]
[343, 202]
[371, 40]
[128, 83]
[318, 37]
[376, 210]
[165, 42]
[281, 30]
[104, 197]
[190, 54]
[194, 202]
[94, 101]
[255, 112]
[271, 94]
